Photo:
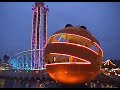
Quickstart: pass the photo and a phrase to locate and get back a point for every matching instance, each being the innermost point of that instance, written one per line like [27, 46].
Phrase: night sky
[101, 18]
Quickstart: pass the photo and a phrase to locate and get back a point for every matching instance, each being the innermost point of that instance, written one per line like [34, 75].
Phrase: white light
[106, 68]
[115, 73]
[54, 59]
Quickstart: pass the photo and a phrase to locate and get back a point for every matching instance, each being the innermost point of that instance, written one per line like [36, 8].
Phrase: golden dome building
[73, 55]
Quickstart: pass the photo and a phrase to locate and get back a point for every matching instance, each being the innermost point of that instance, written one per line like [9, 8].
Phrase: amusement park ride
[33, 59]
[68, 56]
[39, 34]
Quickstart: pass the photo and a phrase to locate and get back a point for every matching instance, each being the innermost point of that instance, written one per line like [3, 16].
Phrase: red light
[85, 61]
[77, 45]
[76, 36]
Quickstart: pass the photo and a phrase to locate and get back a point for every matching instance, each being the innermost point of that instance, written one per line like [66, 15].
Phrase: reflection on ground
[11, 83]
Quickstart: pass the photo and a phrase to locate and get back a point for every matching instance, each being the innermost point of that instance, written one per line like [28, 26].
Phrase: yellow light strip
[60, 38]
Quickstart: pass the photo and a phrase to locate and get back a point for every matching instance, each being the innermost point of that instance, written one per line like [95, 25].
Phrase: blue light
[23, 61]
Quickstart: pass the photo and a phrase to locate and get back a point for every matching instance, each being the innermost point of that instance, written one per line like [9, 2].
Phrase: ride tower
[39, 34]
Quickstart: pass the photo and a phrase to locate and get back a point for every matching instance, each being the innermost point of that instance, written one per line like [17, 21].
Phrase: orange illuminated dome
[73, 55]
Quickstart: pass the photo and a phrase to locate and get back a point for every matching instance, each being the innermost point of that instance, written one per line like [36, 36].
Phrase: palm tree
[6, 57]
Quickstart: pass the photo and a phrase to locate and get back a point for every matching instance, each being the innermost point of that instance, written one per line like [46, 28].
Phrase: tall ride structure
[39, 34]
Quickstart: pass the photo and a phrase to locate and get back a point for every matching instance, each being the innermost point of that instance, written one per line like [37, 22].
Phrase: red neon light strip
[77, 36]
[67, 63]
[85, 61]
[99, 48]
[76, 45]
[69, 34]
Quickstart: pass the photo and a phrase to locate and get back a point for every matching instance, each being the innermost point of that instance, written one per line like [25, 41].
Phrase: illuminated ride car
[73, 55]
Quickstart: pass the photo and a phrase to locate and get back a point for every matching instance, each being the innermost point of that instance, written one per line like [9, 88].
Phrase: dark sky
[101, 18]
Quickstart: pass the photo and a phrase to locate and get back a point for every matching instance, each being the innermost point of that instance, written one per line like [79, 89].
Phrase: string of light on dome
[84, 61]
[76, 45]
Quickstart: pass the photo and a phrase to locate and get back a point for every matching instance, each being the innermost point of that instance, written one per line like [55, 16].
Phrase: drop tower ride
[39, 34]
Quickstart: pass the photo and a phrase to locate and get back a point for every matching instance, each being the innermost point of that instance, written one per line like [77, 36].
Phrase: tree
[6, 57]
[0, 61]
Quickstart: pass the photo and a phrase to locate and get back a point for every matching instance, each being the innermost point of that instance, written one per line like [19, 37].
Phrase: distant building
[108, 64]
[117, 70]
[5, 66]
